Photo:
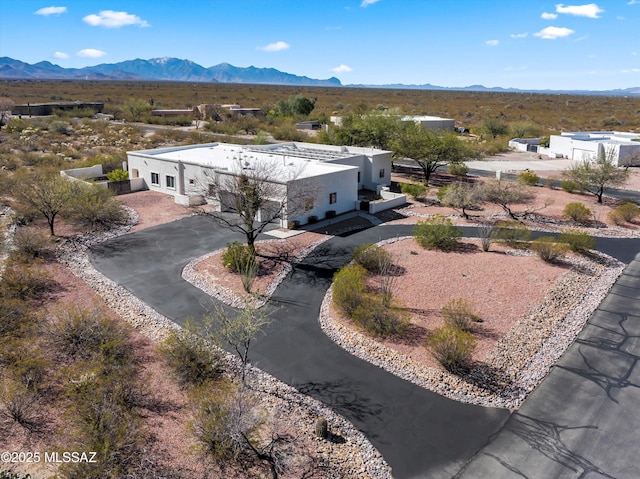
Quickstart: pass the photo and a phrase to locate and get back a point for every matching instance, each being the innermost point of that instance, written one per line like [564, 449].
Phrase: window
[358, 177]
[135, 173]
[333, 197]
[155, 179]
[171, 182]
[381, 172]
[192, 181]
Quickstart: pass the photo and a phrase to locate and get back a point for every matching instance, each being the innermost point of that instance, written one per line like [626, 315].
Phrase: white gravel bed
[518, 362]
[73, 253]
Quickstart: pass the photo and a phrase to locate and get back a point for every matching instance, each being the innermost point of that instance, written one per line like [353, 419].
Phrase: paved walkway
[420, 434]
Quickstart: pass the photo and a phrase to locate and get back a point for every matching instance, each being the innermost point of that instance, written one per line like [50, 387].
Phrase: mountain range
[174, 69]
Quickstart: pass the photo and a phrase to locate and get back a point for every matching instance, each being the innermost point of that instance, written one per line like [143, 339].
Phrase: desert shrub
[578, 241]
[528, 178]
[442, 191]
[18, 405]
[293, 224]
[237, 257]
[371, 257]
[628, 211]
[549, 249]
[96, 208]
[452, 347]
[437, 232]
[459, 313]
[30, 243]
[24, 281]
[414, 189]
[61, 127]
[85, 334]
[23, 362]
[192, 362]
[458, 169]
[616, 218]
[486, 235]
[17, 317]
[377, 319]
[118, 175]
[570, 186]
[349, 288]
[577, 212]
[14, 475]
[512, 233]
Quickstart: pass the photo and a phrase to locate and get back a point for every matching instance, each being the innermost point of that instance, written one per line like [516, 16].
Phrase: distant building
[45, 109]
[525, 144]
[433, 123]
[309, 125]
[339, 172]
[622, 148]
[171, 113]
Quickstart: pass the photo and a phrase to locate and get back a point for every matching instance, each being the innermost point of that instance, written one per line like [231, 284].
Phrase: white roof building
[433, 123]
[622, 148]
[338, 173]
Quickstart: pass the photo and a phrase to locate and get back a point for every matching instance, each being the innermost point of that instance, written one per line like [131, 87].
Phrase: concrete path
[420, 434]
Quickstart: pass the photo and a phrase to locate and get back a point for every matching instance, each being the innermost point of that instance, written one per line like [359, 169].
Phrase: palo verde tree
[296, 105]
[428, 149]
[254, 194]
[373, 129]
[598, 175]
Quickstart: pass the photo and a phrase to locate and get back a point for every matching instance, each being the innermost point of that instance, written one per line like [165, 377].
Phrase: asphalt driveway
[420, 434]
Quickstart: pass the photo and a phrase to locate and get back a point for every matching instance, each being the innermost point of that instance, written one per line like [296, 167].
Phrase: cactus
[322, 427]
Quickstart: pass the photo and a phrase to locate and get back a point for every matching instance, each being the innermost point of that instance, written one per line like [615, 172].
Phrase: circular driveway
[419, 433]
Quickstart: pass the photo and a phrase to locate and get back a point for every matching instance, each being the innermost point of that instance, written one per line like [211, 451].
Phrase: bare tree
[596, 176]
[508, 193]
[258, 194]
[237, 331]
[462, 197]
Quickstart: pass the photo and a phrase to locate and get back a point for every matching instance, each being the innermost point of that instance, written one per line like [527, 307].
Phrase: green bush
[570, 186]
[118, 175]
[616, 218]
[628, 211]
[578, 241]
[528, 178]
[373, 258]
[413, 189]
[458, 169]
[26, 282]
[349, 288]
[237, 257]
[452, 347]
[437, 232]
[29, 244]
[191, 361]
[377, 319]
[442, 191]
[459, 313]
[512, 233]
[549, 249]
[577, 212]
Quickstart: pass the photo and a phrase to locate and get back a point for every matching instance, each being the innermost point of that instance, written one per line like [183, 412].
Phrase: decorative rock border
[73, 253]
[561, 332]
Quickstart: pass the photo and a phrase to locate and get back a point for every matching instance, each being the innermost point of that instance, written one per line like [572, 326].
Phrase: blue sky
[529, 44]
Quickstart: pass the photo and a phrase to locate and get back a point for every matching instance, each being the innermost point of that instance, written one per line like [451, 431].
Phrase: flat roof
[618, 137]
[424, 118]
[288, 160]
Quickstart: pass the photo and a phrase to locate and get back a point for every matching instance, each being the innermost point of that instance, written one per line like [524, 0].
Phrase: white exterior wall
[586, 146]
[381, 162]
[342, 183]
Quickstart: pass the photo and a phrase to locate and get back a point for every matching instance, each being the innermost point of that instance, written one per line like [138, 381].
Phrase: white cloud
[492, 43]
[590, 10]
[111, 19]
[341, 69]
[551, 33]
[61, 55]
[51, 11]
[549, 16]
[632, 70]
[91, 53]
[275, 47]
[366, 3]
[518, 35]
[632, 2]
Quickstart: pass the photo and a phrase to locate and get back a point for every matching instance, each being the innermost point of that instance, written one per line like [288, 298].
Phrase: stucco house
[622, 148]
[433, 123]
[338, 175]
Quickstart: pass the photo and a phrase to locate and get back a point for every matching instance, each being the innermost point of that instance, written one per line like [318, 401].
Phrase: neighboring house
[338, 173]
[525, 144]
[622, 148]
[170, 113]
[433, 123]
[45, 109]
